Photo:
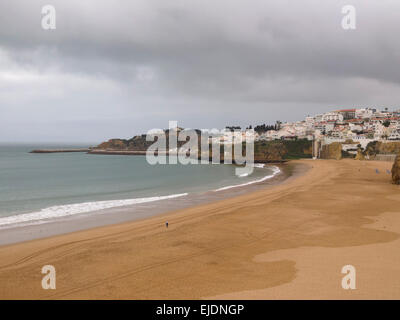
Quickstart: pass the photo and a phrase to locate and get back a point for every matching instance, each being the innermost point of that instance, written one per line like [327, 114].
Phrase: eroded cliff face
[332, 151]
[389, 147]
[396, 170]
[360, 155]
[270, 152]
[264, 151]
[379, 147]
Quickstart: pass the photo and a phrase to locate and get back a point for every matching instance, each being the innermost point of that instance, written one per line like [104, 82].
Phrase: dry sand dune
[288, 241]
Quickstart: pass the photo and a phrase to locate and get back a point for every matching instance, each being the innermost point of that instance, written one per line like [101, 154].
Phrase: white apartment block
[360, 125]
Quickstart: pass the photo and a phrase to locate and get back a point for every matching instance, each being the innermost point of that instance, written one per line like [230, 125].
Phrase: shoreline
[285, 242]
[31, 230]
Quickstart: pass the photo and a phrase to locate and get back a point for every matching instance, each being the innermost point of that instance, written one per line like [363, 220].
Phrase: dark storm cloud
[116, 68]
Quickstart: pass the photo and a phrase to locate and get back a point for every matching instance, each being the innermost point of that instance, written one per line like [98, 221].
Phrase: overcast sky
[119, 68]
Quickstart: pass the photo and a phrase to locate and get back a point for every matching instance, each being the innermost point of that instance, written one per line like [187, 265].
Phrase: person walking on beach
[166, 224]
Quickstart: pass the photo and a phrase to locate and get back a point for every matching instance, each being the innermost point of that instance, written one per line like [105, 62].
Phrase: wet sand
[289, 241]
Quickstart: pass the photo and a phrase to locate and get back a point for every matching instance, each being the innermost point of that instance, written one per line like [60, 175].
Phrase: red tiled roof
[393, 118]
[352, 120]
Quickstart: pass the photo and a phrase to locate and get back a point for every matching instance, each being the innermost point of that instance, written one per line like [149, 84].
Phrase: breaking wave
[275, 171]
[77, 208]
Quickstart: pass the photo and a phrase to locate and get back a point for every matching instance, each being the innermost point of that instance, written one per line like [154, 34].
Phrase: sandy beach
[288, 241]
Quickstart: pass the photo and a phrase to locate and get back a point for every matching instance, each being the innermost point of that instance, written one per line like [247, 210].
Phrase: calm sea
[34, 187]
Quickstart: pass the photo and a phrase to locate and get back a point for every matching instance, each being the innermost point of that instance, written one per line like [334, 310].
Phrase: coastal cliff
[137, 143]
[282, 150]
[375, 150]
[396, 170]
[332, 151]
[378, 147]
[264, 151]
[360, 155]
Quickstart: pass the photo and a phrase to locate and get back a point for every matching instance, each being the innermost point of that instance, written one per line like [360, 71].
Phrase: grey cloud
[125, 67]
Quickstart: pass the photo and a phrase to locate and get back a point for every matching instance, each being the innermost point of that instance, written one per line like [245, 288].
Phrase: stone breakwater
[119, 152]
[58, 150]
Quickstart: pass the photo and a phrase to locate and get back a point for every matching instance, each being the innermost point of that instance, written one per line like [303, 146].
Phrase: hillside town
[363, 133]
[360, 125]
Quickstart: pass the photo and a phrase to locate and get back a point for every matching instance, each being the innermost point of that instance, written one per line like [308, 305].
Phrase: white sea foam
[255, 165]
[275, 171]
[258, 165]
[243, 175]
[77, 208]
